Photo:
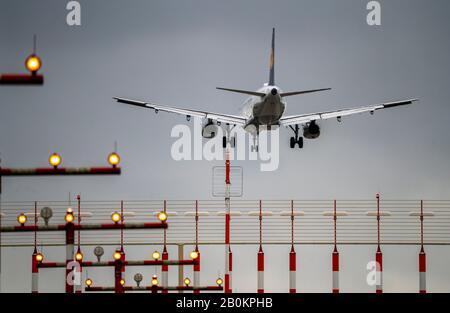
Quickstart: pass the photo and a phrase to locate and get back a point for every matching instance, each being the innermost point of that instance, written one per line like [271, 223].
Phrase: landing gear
[232, 142]
[296, 139]
[254, 147]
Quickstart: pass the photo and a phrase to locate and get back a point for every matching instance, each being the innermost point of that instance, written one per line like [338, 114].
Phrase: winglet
[398, 103]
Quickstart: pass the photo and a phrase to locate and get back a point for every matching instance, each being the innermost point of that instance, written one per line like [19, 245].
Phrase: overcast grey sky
[177, 52]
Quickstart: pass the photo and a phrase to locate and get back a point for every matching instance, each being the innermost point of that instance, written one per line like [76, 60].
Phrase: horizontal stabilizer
[293, 93]
[247, 92]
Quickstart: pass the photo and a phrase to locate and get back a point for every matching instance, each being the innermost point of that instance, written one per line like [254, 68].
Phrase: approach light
[115, 217]
[162, 216]
[79, 256]
[154, 280]
[22, 219]
[33, 63]
[88, 282]
[113, 159]
[193, 255]
[117, 255]
[219, 281]
[187, 281]
[156, 255]
[39, 257]
[69, 215]
[55, 160]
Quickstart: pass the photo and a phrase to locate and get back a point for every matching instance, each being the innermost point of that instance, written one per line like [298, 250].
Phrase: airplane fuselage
[264, 111]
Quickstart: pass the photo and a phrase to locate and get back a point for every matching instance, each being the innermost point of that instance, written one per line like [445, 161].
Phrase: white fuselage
[264, 111]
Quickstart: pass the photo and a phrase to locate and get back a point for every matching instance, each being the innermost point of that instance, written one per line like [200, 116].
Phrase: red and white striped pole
[260, 254]
[197, 264]
[165, 257]
[335, 261]
[379, 255]
[165, 270]
[292, 256]
[79, 283]
[197, 272]
[335, 255]
[122, 259]
[70, 242]
[34, 273]
[422, 257]
[230, 272]
[34, 262]
[379, 271]
[118, 270]
[228, 253]
[292, 270]
[422, 271]
[260, 270]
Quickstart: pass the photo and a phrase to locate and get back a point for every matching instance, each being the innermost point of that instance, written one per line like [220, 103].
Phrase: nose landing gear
[296, 139]
[255, 146]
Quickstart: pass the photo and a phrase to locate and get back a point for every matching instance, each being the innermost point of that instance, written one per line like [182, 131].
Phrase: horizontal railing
[356, 221]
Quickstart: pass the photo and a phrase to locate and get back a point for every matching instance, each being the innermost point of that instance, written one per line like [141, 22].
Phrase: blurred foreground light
[156, 255]
[193, 255]
[79, 256]
[88, 282]
[154, 280]
[33, 63]
[117, 255]
[55, 160]
[115, 217]
[113, 159]
[39, 257]
[22, 219]
[122, 282]
[162, 216]
[69, 216]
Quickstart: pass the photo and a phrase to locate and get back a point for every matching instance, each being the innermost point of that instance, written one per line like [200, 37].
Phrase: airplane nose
[274, 91]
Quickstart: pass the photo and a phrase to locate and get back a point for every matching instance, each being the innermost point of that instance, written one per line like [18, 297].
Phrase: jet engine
[311, 130]
[209, 129]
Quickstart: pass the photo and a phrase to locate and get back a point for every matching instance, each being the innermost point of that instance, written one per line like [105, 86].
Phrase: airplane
[265, 108]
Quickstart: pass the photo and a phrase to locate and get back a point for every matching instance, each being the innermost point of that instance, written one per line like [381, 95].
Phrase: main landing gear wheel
[296, 139]
[254, 147]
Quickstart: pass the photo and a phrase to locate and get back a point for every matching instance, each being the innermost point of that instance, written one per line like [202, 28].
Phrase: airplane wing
[223, 118]
[305, 118]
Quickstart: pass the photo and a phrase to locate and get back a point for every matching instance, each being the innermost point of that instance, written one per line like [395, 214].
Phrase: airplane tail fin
[272, 61]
